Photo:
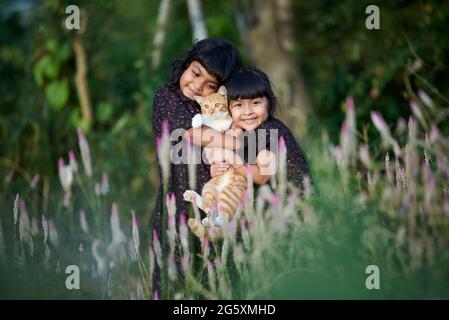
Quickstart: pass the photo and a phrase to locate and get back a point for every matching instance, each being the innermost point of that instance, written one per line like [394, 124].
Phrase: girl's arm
[207, 137]
[265, 167]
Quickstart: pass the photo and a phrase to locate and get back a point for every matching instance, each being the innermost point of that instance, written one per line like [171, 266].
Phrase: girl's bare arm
[265, 167]
[207, 137]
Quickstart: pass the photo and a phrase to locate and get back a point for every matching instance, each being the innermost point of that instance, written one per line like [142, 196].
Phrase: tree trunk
[159, 35]
[82, 87]
[199, 30]
[268, 34]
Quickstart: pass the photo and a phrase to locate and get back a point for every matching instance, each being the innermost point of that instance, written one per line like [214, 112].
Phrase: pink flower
[85, 152]
[34, 227]
[151, 253]
[35, 181]
[16, 209]
[434, 134]
[165, 128]
[185, 262]
[97, 189]
[425, 99]
[9, 176]
[172, 266]
[72, 161]
[379, 122]
[67, 198]
[135, 232]
[171, 209]
[206, 248]
[83, 222]
[45, 228]
[117, 234]
[65, 175]
[104, 184]
[417, 112]
[53, 233]
[157, 248]
[275, 200]
[364, 156]
[384, 130]
[24, 223]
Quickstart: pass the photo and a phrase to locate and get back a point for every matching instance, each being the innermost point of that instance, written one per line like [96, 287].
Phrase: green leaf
[39, 69]
[104, 111]
[45, 67]
[63, 53]
[57, 94]
[77, 121]
[51, 45]
[52, 69]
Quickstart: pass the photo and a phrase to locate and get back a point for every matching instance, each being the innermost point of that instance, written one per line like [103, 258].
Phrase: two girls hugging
[217, 101]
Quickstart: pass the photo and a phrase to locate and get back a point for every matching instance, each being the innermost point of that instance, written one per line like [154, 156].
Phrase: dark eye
[196, 74]
[217, 105]
[206, 106]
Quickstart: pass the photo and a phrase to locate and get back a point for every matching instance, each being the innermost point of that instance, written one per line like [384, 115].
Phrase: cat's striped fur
[222, 195]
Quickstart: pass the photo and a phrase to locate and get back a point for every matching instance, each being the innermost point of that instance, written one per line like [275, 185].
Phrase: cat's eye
[206, 106]
[217, 105]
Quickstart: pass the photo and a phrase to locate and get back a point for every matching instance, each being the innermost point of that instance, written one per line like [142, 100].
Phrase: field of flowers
[382, 203]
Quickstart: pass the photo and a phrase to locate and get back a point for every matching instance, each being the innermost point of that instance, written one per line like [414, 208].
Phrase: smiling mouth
[196, 94]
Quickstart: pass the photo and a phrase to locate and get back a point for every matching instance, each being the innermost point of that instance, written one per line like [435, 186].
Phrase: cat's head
[214, 103]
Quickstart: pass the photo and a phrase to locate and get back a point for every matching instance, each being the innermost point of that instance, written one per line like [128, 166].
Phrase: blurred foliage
[338, 56]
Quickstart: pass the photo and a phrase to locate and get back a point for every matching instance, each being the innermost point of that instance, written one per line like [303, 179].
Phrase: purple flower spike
[165, 128]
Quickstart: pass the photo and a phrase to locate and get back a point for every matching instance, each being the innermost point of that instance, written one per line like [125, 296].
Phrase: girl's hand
[217, 169]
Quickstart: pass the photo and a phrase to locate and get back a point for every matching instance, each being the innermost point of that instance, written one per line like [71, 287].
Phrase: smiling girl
[252, 105]
[200, 71]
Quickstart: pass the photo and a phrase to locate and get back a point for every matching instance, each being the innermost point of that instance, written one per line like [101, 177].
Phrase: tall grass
[383, 204]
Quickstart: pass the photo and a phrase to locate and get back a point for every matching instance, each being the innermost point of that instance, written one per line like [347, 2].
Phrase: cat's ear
[222, 91]
[198, 99]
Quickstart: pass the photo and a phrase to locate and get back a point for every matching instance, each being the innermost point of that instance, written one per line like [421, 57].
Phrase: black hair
[251, 83]
[218, 56]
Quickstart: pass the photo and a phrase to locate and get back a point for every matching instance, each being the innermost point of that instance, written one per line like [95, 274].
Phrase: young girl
[252, 106]
[200, 71]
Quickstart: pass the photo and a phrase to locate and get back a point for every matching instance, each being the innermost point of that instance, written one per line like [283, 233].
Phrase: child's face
[196, 81]
[248, 114]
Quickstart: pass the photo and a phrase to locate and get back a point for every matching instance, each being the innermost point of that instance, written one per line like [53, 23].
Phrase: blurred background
[102, 79]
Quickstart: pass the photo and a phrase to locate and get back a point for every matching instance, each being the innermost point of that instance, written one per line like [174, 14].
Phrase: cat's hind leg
[197, 228]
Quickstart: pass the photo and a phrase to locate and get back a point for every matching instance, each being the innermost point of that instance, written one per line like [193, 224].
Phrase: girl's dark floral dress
[297, 166]
[169, 104]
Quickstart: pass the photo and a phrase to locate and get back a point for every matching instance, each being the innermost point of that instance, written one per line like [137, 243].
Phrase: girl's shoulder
[165, 91]
[168, 93]
[274, 123]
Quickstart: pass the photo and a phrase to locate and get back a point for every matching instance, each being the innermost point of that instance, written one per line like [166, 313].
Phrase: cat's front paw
[197, 121]
[189, 195]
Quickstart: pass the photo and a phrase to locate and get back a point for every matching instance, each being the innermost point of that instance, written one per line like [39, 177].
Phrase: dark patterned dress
[297, 166]
[170, 104]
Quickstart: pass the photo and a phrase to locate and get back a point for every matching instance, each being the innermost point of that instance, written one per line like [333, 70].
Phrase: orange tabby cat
[221, 196]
